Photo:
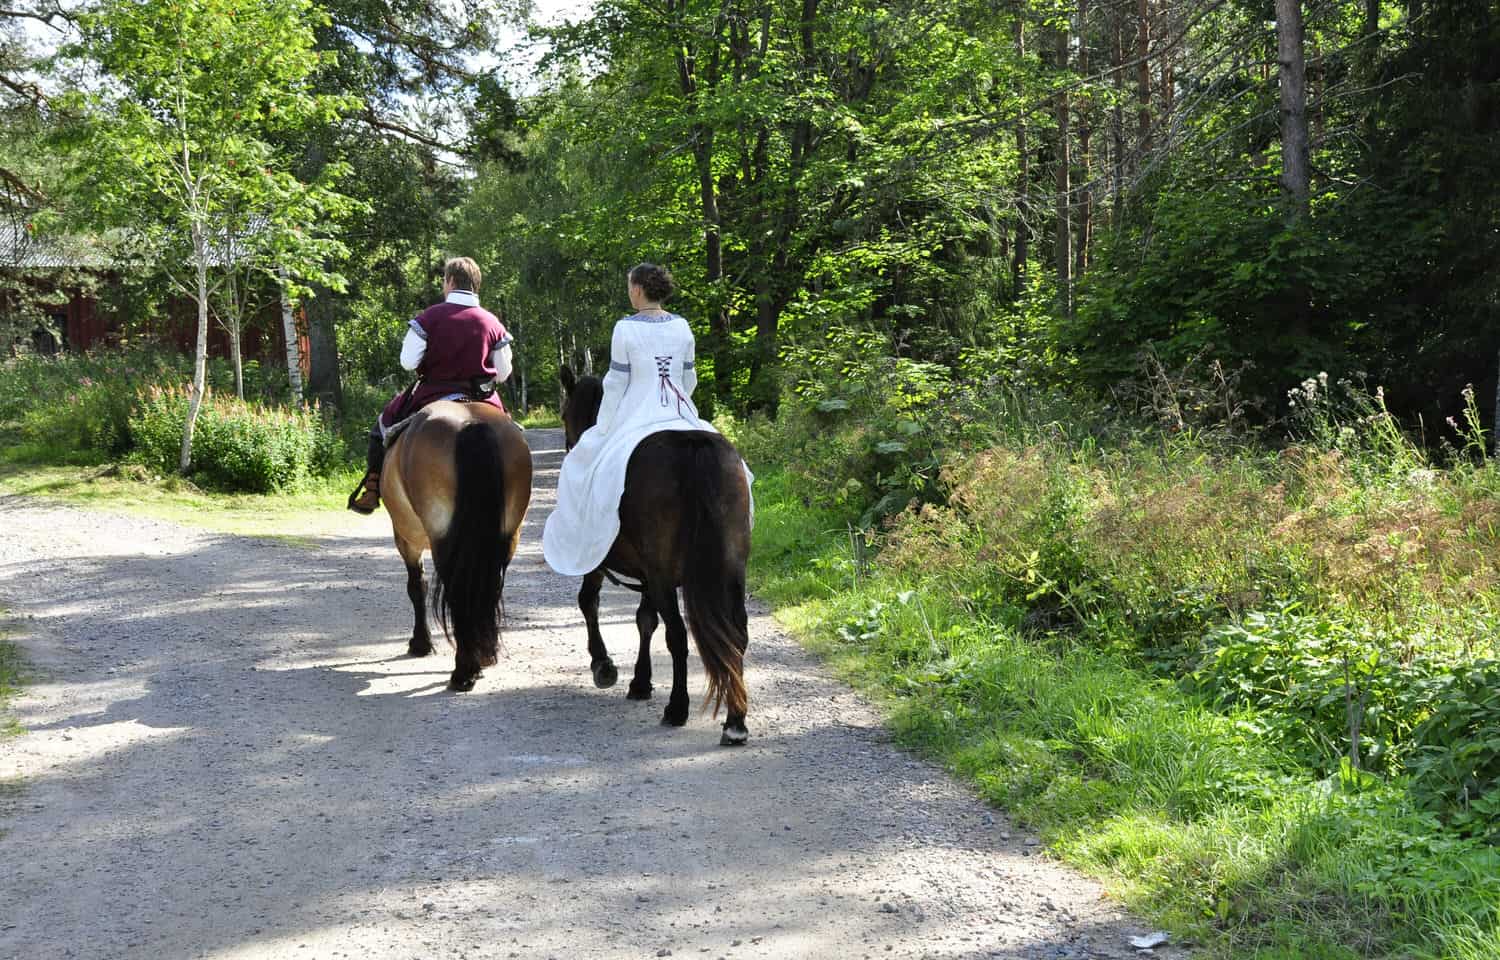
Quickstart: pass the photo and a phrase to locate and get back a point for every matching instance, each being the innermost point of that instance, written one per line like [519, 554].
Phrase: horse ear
[566, 376]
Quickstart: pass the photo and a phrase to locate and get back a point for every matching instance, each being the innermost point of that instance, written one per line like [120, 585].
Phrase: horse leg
[600, 664]
[676, 713]
[416, 591]
[645, 621]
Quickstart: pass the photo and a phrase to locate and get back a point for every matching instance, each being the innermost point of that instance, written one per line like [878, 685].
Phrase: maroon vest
[459, 342]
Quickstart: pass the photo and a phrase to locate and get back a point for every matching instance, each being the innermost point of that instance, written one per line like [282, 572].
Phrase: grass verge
[1189, 814]
[316, 509]
[10, 683]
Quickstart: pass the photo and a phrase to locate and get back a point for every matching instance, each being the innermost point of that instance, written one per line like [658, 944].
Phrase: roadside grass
[1190, 814]
[313, 510]
[11, 675]
[539, 418]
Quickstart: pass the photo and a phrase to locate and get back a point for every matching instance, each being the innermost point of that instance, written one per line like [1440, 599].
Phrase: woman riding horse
[651, 491]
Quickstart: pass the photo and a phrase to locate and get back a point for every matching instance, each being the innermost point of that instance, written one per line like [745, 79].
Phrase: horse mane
[589, 394]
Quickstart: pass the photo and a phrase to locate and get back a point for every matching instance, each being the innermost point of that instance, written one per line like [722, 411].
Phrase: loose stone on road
[229, 755]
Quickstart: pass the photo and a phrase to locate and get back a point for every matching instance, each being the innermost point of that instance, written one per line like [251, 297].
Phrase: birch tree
[177, 141]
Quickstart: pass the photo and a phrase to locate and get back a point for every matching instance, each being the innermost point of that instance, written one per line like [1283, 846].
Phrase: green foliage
[241, 447]
[11, 677]
[1315, 678]
[869, 434]
[1196, 801]
[1255, 688]
[77, 407]
[1456, 766]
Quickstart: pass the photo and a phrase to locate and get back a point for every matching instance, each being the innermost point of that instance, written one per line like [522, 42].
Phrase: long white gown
[649, 388]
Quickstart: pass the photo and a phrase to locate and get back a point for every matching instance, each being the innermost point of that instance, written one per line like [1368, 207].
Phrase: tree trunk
[1023, 155]
[688, 80]
[713, 264]
[200, 351]
[1085, 159]
[1064, 242]
[237, 361]
[293, 346]
[1117, 53]
[1143, 76]
[1293, 82]
[322, 349]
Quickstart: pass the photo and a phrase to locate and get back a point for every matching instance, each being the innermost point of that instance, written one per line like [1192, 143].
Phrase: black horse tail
[471, 557]
[713, 574]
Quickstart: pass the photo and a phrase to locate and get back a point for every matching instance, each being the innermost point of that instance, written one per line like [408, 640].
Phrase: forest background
[1121, 376]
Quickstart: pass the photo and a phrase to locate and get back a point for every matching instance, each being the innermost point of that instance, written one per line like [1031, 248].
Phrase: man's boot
[366, 496]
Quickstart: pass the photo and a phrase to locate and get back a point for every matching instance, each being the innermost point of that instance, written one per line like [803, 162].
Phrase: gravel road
[229, 755]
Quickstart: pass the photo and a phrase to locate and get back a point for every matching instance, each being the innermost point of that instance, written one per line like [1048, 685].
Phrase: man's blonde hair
[463, 273]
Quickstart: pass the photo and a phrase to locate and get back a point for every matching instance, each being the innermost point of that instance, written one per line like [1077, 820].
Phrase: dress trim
[663, 319]
[622, 367]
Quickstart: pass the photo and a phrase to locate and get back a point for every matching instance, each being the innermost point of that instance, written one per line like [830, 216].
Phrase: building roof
[22, 249]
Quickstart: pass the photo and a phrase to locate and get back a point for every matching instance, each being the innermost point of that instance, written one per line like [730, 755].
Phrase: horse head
[582, 396]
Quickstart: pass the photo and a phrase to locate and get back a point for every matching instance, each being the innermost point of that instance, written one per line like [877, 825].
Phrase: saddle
[473, 390]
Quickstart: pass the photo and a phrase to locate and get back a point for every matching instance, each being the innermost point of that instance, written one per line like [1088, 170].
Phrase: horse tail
[471, 556]
[713, 575]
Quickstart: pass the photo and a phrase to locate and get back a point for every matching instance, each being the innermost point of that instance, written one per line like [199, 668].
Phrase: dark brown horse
[457, 481]
[684, 522]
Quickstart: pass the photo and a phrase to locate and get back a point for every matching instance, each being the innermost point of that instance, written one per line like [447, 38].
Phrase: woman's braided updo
[655, 282]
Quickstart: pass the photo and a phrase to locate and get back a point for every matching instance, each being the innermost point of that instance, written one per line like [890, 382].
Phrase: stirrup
[366, 496]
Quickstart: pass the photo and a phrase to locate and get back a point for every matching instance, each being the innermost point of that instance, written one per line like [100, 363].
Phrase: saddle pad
[389, 434]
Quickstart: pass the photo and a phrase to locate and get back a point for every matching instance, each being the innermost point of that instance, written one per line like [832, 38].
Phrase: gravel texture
[230, 755]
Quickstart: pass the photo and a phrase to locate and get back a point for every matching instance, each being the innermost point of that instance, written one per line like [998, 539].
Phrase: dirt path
[230, 756]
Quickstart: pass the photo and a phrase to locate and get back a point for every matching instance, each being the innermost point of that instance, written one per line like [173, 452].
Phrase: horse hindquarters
[714, 549]
[472, 554]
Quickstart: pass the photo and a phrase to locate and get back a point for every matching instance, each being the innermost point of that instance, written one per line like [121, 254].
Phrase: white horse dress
[649, 388]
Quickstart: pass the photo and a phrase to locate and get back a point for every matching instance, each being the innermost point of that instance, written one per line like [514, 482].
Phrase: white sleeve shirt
[414, 347]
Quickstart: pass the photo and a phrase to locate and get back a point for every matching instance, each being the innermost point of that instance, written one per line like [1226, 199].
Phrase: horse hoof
[734, 736]
[416, 649]
[638, 691]
[605, 673]
[674, 718]
[462, 684]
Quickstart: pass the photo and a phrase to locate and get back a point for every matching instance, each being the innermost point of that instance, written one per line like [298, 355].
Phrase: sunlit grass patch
[11, 675]
[316, 508]
[539, 417]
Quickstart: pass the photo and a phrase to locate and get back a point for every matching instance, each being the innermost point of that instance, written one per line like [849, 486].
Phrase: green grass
[540, 417]
[1187, 814]
[10, 683]
[313, 510]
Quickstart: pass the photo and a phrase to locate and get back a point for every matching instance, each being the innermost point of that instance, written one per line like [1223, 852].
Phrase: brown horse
[684, 522]
[457, 481]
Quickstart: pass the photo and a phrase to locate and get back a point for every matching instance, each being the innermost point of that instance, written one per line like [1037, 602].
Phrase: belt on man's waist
[479, 386]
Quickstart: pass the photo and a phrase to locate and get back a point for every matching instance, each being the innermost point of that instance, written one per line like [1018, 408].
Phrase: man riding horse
[459, 351]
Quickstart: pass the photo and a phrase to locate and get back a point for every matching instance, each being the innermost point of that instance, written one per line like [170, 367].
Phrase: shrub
[78, 406]
[1321, 681]
[237, 446]
[1456, 766]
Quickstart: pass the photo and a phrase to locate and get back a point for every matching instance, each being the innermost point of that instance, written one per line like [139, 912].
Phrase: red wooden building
[63, 279]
